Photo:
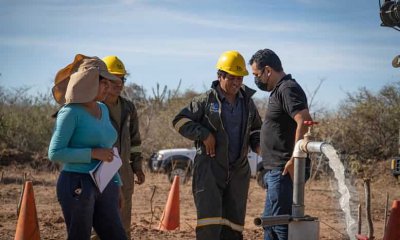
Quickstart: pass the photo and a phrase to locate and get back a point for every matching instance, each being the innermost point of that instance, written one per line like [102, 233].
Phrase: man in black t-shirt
[283, 126]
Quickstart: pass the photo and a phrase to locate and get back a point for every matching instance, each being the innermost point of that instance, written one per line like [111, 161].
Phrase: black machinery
[390, 14]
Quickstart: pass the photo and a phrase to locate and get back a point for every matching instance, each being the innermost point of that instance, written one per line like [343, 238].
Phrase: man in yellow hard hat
[223, 123]
[124, 117]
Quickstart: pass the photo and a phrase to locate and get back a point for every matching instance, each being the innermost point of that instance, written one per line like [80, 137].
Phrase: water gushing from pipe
[344, 200]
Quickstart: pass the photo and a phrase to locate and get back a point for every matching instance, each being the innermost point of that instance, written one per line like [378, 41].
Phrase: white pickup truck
[179, 161]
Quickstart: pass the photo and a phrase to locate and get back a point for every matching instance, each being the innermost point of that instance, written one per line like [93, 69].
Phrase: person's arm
[59, 149]
[301, 129]
[135, 145]
[136, 140]
[187, 123]
[295, 104]
[255, 130]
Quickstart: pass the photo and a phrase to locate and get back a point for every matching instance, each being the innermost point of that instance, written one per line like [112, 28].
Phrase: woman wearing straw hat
[83, 136]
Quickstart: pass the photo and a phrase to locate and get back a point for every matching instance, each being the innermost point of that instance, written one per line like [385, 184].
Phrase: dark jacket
[129, 141]
[203, 116]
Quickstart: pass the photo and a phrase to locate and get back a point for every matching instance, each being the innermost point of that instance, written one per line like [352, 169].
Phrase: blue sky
[167, 40]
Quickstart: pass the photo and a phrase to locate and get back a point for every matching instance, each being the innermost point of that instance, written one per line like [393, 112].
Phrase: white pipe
[298, 152]
[298, 187]
[303, 147]
[313, 147]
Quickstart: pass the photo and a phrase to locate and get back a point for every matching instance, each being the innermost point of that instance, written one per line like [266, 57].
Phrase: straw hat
[78, 82]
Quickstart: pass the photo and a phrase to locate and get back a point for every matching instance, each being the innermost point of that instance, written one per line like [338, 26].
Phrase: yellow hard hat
[233, 63]
[114, 65]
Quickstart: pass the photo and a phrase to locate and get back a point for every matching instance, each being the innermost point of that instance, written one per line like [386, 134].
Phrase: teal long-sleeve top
[76, 132]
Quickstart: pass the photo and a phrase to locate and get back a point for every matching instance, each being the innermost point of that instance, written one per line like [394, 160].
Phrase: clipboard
[105, 171]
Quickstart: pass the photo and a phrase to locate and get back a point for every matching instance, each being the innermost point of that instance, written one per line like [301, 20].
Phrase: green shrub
[25, 121]
[366, 125]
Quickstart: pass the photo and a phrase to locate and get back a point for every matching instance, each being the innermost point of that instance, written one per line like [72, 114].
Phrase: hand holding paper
[103, 154]
[105, 171]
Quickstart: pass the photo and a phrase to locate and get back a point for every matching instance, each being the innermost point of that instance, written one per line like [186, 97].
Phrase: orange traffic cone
[170, 216]
[392, 231]
[28, 225]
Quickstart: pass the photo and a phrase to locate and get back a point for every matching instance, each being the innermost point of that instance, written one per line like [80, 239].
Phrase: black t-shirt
[278, 131]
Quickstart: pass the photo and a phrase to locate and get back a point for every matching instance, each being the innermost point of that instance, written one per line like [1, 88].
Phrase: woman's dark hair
[266, 57]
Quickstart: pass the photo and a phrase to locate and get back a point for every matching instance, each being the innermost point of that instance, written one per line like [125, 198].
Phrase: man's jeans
[84, 206]
[278, 201]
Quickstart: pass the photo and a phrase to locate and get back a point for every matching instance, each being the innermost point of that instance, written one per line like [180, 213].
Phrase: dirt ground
[321, 201]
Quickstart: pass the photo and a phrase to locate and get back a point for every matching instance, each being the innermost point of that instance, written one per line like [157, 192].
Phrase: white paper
[105, 171]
